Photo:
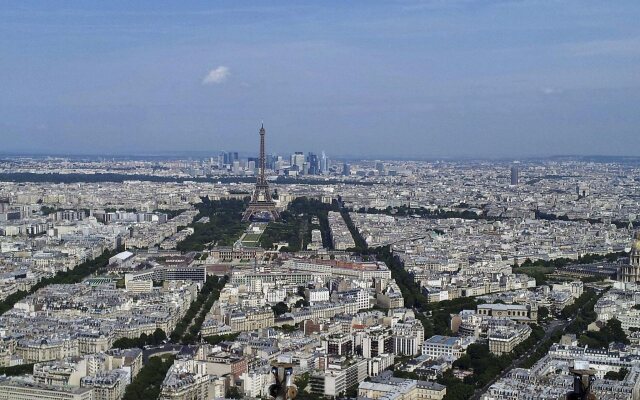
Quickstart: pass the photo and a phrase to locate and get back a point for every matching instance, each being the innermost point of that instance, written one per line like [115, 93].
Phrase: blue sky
[414, 78]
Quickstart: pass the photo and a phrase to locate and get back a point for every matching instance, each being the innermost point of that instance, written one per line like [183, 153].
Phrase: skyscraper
[297, 161]
[346, 169]
[270, 162]
[515, 174]
[314, 166]
[323, 163]
[253, 163]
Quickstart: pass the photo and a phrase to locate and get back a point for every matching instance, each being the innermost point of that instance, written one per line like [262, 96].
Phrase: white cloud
[216, 76]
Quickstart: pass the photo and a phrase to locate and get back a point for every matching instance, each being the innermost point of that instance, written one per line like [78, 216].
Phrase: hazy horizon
[412, 79]
[204, 155]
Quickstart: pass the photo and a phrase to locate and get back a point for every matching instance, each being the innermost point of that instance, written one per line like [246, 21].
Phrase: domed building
[631, 272]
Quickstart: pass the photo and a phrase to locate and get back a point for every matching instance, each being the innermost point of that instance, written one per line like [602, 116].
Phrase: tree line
[21, 177]
[17, 370]
[148, 383]
[223, 228]
[216, 339]
[290, 228]
[156, 338]
[360, 243]
[295, 225]
[406, 211]
[553, 217]
[485, 366]
[199, 307]
[539, 269]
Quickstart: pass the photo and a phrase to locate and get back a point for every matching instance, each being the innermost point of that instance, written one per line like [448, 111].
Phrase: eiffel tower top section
[261, 177]
[261, 204]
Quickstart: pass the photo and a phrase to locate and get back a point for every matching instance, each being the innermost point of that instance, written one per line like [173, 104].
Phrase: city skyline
[385, 199]
[417, 79]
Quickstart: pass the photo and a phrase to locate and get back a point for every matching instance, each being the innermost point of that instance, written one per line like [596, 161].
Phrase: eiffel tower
[261, 202]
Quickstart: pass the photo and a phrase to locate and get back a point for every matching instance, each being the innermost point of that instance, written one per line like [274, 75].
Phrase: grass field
[534, 270]
[251, 237]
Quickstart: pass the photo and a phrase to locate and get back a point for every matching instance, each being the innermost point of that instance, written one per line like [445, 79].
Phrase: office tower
[270, 162]
[314, 166]
[297, 161]
[380, 167]
[323, 163]
[346, 169]
[254, 160]
[230, 157]
[261, 200]
[515, 174]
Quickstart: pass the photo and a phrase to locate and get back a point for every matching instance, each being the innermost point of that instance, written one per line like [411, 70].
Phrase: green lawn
[251, 237]
[536, 269]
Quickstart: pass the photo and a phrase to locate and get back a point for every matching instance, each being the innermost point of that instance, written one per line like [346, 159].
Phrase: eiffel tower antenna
[261, 200]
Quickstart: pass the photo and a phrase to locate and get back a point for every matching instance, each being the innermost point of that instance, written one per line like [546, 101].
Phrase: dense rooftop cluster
[397, 279]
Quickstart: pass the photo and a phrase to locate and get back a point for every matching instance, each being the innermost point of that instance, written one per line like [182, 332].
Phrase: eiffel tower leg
[247, 215]
[253, 209]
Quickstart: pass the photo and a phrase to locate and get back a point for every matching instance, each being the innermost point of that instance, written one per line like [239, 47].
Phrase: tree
[617, 376]
[611, 332]
[302, 381]
[147, 383]
[280, 309]
[456, 389]
[144, 340]
[215, 339]
[543, 313]
[615, 331]
[223, 228]
[233, 393]
[352, 392]
[287, 328]
[21, 369]
[159, 336]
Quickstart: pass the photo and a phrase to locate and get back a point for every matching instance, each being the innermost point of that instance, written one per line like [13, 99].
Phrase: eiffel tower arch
[261, 201]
